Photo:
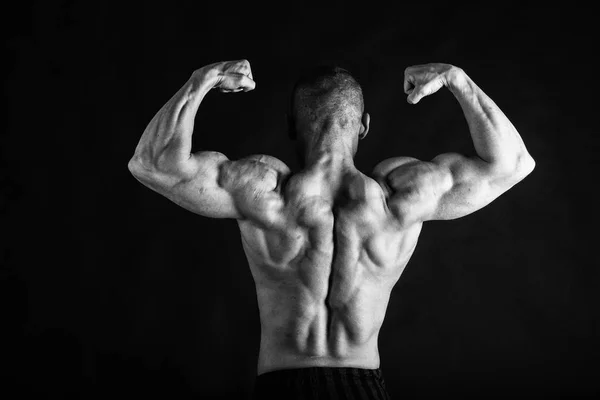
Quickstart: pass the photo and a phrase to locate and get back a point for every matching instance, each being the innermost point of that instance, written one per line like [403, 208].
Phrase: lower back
[309, 334]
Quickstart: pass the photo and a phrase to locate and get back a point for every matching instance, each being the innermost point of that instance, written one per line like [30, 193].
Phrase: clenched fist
[231, 76]
[423, 80]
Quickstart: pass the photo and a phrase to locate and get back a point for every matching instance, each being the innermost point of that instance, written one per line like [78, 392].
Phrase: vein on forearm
[495, 138]
[168, 137]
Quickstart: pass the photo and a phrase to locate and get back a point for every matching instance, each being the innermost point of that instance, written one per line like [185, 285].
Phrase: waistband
[322, 371]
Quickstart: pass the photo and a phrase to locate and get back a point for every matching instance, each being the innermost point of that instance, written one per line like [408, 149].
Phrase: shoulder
[398, 171]
[413, 187]
[267, 162]
[268, 166]
[257, 172]
[382, 169]
[392, 167]
[408, 173]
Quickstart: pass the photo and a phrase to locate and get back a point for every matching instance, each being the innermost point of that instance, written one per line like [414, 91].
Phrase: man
[327, 244]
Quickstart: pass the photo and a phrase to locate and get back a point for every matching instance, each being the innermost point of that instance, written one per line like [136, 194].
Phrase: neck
[331, 153]
[329, 159]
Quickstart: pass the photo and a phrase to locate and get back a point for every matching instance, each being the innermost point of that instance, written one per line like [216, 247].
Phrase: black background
[110, 289]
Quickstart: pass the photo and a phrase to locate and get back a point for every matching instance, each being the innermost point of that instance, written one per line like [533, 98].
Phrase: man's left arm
[453, 185]
[163, 160]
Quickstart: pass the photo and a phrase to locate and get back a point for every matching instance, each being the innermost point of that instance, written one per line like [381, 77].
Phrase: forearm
[495, 138]
[166, 142]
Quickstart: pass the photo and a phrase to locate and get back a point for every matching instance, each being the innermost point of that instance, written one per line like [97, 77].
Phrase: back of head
[326, 94]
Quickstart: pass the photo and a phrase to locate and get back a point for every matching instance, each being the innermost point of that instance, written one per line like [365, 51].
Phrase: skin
[327, 244]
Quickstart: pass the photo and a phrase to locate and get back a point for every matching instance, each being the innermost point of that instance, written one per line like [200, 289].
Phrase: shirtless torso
[324, 264]
[325, 250]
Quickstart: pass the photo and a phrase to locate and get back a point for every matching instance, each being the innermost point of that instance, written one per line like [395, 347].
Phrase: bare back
[324, 268]
[325, 253]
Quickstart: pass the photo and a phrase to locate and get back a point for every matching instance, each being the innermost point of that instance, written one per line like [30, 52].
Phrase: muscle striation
[324, 277]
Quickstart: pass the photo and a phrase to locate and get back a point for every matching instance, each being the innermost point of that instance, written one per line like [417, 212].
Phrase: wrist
[456, 79]
[207, 76]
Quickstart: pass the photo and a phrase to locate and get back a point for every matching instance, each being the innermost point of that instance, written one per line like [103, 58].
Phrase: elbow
[516, 170]
[525, 165]
[138, 167]
[132, 165]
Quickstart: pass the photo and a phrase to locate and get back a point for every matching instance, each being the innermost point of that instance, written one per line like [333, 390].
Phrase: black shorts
[322, 383]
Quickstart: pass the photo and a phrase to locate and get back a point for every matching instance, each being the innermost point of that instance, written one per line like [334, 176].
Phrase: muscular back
[324, 259]
[325, 253]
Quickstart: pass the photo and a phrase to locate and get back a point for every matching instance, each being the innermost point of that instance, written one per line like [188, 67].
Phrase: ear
[364, 129]
[291, 127]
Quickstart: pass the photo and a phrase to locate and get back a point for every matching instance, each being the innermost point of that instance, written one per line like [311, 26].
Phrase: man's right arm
[452, 185]
[203, 182]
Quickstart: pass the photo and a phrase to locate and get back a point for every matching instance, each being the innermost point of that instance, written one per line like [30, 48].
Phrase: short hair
[327, 91]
